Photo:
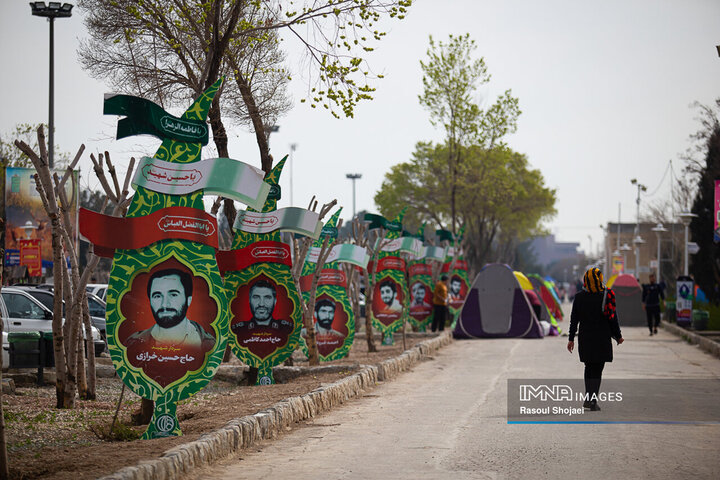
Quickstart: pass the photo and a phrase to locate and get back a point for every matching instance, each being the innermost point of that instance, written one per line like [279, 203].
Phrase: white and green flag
[345, 252]
[290, 219]
[217, 176]
[409, 245]
[432, 253]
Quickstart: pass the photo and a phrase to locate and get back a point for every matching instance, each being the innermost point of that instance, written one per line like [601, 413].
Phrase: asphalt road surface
[447, 418]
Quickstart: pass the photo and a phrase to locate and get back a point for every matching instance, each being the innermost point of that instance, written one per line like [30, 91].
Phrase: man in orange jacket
[440, 297]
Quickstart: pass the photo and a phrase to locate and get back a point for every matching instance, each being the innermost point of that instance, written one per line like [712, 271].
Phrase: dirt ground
[44, 442]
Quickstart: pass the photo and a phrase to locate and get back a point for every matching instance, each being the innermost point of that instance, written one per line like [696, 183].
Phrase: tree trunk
[57, 326]
[257, 121]
[73, 343]
[310, 339]
[368, 312]
[4, 467]
[144, 414]
[80, 367]
[91, 377]
[218, 129]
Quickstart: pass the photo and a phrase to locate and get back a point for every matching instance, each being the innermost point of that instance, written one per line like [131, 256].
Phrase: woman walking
[593, 311]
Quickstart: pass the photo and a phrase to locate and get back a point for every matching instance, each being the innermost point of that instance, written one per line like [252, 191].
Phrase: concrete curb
[268, 423]
[711, 347]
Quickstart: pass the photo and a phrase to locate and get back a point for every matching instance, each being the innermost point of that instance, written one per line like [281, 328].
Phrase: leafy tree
[11, 156]
[451, 77]
[168, 51]
[500, 200]
[705, 265]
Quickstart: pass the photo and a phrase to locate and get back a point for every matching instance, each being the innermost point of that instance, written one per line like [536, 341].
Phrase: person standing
[440, 309]
[593, 312]
[652, 294]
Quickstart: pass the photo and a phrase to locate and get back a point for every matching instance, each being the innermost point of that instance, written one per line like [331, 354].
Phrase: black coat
[596, 331]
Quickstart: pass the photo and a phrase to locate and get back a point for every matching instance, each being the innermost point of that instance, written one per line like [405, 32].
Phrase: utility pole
[353, 177]
[293, 147]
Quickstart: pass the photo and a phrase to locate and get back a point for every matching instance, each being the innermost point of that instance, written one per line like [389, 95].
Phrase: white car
[99, 289]
[23, 313]
[5, 350]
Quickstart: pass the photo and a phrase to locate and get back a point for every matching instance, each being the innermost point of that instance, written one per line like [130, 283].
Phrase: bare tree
[68, 347]
[4, 466]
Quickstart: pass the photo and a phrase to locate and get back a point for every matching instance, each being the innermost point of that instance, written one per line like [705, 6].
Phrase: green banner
[147, 118]
[378, 221]
[166, 306]
[444, 235]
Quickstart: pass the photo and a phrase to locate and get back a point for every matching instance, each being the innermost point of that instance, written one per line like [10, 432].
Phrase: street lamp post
[293, 147]
[641, 188]
[686, 218]
[637, 241]
[624, 249]
[51, 12]
[353, 177]
[659, 229]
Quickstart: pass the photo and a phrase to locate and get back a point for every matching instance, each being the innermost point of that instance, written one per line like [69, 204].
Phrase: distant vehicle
[361, 303]
[96, 307]
[5, 350]
[21, 312]
[99, 289]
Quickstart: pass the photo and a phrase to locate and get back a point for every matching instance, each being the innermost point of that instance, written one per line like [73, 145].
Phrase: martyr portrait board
[333, 317]
[390, 289]
[421, 292]
[166, 305]
[265, 309]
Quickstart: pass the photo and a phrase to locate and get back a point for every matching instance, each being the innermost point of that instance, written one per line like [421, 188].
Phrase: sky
[605, 90]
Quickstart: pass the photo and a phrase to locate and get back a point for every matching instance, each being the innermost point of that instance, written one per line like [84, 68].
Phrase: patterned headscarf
[593, 280]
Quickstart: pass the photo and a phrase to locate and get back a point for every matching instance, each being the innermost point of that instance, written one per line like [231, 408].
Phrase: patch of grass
[120, 432]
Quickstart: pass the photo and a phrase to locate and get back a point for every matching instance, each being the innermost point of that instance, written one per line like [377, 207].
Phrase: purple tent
[496, 307]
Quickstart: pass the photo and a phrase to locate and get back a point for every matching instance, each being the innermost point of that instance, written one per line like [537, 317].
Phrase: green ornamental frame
[337, 293]
[281, 274]
[398, 276]
[198, 258]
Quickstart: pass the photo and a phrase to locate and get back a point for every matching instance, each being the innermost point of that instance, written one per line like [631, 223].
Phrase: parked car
[96, 307]
[21, 312]
[361, 303]
[99, 289]
[5, 350]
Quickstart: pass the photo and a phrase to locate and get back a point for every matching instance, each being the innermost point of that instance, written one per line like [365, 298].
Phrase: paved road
[447, 419]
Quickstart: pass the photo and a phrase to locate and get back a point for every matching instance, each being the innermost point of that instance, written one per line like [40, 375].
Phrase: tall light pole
[51, 12]
[640, 188]
[637, 241]
[686, 218]
[353, 177]
[293, 147]
[624, 249]
[659, 229]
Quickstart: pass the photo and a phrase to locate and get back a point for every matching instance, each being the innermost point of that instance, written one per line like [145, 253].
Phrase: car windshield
[20, 306]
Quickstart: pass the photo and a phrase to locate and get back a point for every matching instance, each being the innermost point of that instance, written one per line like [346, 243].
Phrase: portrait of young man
[170, 294]
[324, 316]
[262, 298]
[389, 295]
[174, 344]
